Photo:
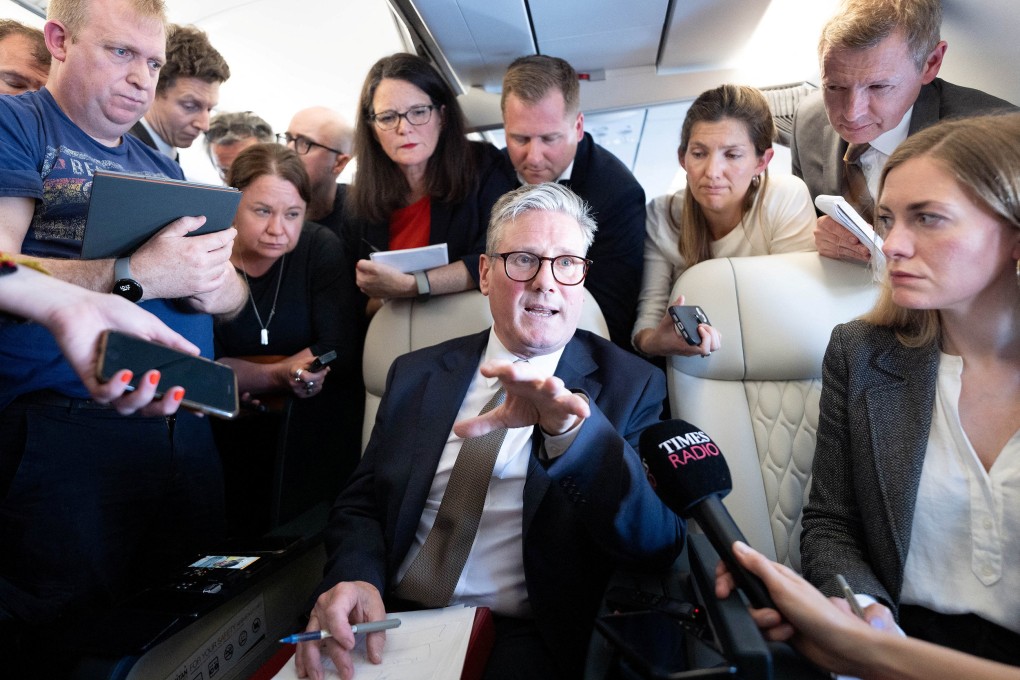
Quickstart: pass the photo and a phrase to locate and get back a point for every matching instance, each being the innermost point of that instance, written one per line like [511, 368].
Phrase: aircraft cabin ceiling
[631, 53]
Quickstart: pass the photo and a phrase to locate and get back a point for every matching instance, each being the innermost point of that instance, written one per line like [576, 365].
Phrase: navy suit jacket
[618, 205]
[586, 513]
[818, 149]
[139, 131]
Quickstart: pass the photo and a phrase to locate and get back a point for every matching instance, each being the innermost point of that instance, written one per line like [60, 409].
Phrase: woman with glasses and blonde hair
[730, 208]
[419, 181]
[916, 476]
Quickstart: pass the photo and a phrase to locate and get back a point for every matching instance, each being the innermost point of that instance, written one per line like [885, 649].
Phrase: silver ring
[309, 385]
[297, 374]
[705, 356]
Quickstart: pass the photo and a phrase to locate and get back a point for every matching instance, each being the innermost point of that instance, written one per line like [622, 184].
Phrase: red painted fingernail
[126, 377]
[154, 378]
[178, 394]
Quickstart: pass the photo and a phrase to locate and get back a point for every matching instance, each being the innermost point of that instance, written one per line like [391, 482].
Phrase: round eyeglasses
[302, 144]
[416, 115]
[522, 266]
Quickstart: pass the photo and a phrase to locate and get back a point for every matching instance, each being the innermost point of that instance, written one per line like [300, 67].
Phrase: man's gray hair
[551, 197]
[230, 127]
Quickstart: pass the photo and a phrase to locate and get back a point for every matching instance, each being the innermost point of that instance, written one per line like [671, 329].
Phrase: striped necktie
[855, 184]
[435, 570]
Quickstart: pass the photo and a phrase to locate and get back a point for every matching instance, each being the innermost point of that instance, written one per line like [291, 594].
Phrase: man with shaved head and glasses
[323, 139]
[546, 418]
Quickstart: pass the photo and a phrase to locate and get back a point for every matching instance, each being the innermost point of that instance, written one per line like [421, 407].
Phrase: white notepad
[838, 209]
[429, 645]
[414, 259]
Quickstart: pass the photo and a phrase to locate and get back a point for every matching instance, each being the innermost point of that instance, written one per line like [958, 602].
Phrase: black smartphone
[320, 362]
[686, 319]
[209, 387]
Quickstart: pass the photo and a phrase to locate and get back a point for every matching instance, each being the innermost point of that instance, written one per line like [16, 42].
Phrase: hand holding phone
[209, 387]
[686, 319]
[320, 362]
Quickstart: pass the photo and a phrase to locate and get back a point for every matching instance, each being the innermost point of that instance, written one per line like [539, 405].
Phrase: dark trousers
[94, 504]
[966, 632]
[520, 653]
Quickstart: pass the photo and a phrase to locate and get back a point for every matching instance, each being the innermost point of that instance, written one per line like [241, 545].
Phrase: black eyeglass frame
[431, 107]
[586, 263]
[286, 138]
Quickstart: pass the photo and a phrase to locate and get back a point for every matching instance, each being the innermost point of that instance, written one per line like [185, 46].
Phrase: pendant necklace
[264, 333]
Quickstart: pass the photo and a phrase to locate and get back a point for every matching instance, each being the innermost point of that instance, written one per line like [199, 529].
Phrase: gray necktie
[855, 183]
[435, 570]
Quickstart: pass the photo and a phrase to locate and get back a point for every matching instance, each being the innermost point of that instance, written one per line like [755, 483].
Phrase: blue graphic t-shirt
[45, 156]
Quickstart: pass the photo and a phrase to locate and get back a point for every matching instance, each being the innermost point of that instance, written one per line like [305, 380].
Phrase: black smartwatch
[124, 284]
[424, 288]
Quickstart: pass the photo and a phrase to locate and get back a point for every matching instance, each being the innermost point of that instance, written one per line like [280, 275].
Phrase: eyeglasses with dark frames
[416, 115]
[302, 144]
[522, 266]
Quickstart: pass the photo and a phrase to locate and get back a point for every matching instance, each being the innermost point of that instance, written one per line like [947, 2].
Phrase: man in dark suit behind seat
[567, 501]
[879, 60]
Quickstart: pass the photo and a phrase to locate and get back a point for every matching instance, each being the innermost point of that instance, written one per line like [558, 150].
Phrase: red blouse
[410, 227]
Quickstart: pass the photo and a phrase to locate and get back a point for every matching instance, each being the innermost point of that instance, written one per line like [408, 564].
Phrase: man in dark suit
[546, 142]
[879, 61]
[187, 92]
[566, 501]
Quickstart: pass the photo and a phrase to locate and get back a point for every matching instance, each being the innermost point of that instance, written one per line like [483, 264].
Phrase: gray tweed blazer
[875, 416]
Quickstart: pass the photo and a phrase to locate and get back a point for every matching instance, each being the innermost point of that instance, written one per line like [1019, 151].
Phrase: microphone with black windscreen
[690, 475]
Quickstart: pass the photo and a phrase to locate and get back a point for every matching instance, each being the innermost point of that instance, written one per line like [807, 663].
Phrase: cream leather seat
[757, 397]
[404, 325]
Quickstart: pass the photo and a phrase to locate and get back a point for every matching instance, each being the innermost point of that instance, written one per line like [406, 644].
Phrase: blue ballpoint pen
[315, 635]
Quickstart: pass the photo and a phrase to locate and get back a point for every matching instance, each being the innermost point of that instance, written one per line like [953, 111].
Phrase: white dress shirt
[873, 160]
[965, 539]
[564, 176]
[493, 575]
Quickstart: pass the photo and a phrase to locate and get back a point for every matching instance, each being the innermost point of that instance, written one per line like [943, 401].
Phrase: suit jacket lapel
[832, 169]
[899, 436]
[139, 131]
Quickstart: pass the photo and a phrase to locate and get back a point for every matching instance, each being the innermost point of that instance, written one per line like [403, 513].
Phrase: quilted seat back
[757, 397]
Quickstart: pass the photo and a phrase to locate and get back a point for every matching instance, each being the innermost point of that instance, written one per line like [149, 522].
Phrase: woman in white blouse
[915, 483]
[730, 208]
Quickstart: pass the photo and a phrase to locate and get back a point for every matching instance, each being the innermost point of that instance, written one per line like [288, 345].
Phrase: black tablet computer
[125, 210]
